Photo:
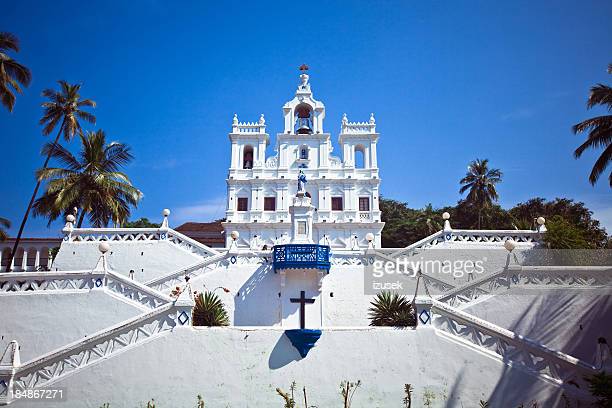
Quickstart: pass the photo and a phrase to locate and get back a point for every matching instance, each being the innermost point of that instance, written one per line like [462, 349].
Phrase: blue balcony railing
[301, 256]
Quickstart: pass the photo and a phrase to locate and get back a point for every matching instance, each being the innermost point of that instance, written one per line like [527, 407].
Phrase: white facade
[344, 190]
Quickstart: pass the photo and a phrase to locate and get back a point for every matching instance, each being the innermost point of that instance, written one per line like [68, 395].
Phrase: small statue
[301, 181]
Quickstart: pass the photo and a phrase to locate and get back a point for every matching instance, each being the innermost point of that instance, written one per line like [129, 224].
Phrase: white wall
[44, 321]
[241, 368]
[148, 259]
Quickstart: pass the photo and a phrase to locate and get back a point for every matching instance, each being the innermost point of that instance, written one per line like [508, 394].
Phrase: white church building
[112, 320]
[344, 188]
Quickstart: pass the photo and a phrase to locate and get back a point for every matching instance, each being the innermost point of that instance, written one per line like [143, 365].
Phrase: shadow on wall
[258, 303]
[283, 353]
[548, 320]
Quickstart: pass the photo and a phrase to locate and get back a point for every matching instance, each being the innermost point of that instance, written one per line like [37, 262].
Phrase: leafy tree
[575, 213]
[599, 130]
[91, 182]
[391, 310]
[141, 223]
[404, 226]
[480, 183]
[600, 386]
[209, 311]
[563, 235]
[66, 108]
[13, 75]
[4, 224]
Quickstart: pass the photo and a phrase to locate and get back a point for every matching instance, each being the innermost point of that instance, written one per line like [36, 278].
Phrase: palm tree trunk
[27, 213]
[81, 217]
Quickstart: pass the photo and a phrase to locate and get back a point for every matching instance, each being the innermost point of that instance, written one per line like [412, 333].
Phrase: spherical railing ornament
[370, 237]
[166, 212]
[70, 218]
[445, 216]
[235, 235]
[509, 245]
[541, 220]
[104, 247]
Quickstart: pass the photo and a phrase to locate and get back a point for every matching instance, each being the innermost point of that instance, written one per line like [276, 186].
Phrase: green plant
[428, 397]
[600, 386]
[408, 395]
[12, 73]
[289, 399]
[91, 181]
[347, 390]
[209, 310]
[140, 223]
[64, 107]
[563, 235]
[481, 181]
[391, 310]
[599, 129]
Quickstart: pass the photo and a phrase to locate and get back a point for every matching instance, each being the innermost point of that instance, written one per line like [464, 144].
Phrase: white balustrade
[510, 348]
[176, 278]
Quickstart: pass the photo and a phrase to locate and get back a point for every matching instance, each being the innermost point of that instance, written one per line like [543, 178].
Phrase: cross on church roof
[303, 67]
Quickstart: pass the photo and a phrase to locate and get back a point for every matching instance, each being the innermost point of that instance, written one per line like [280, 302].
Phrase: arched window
[303, 152]
[359, 157]
[247, 159]
[303, 119]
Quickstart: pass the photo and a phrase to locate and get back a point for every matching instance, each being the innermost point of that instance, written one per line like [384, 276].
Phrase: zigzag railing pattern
[493, 236]
[427, 242]
[50, 281]
[189, 244]
[59, 363]
[511, 348]
[537, 276]
[170, 281]
[134, 291]
[139, 235]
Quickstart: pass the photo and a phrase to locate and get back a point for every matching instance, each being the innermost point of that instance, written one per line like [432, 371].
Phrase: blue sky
[447, 81]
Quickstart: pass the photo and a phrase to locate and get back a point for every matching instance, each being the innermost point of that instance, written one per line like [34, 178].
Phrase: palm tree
[64, 107]
[92, 182]
[481, 181]
[209, 311]
[600, 130]
[4, 223]
[391, 310]
[12, 73]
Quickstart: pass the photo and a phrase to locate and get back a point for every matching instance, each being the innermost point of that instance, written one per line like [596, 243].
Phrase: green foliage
[599, 130]
[600, 386]
[140, 223]
[92, 182]
[289, 399]
[480, 183]
[391, 310]
[209, 311]
[405, 226]
[563, 235]
[408, 395]
[13, 75]
[4, 224]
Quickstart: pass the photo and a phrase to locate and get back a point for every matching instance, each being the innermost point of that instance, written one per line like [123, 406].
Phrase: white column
[37, 259]
[24, 261]
[374, 161]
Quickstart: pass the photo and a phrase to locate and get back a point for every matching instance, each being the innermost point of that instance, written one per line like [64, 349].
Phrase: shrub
[392, 310]
[209, 311]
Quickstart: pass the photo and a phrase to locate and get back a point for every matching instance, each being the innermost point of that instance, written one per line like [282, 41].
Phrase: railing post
[183, 306]
[9, 363]
[424, 315]
[448, 230]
